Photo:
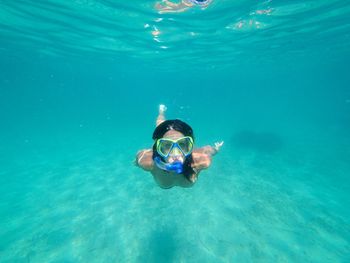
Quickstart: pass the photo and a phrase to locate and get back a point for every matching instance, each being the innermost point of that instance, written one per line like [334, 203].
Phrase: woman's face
[175, 154]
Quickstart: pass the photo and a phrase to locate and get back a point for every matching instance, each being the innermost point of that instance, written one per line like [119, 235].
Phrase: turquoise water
[80, 85]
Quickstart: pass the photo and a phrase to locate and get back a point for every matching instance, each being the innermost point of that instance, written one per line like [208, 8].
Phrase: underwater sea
[81, 82]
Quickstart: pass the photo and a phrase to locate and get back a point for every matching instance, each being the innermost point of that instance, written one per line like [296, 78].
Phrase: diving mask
[165, 146]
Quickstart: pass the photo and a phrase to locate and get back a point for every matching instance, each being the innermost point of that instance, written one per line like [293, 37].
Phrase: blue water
[80, 85]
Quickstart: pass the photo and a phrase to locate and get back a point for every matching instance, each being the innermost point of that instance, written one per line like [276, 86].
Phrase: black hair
[179, 126]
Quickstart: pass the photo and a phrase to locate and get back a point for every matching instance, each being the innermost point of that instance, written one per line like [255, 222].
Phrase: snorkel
[176, 166]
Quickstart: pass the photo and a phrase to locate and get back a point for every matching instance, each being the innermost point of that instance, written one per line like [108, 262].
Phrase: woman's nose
[175, 152]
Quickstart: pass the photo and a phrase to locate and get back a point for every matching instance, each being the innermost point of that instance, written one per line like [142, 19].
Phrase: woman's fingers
[218, 145]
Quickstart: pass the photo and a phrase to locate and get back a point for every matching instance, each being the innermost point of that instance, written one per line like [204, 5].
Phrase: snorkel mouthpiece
[175, 166]
[170, 167]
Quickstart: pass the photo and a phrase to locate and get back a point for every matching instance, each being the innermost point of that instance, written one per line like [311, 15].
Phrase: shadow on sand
[161, 247]
[263, 142]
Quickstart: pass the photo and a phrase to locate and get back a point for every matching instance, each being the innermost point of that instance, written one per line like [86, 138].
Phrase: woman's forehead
[172, 134]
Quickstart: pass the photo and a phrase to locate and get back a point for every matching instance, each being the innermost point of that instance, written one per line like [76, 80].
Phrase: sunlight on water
[221, 35]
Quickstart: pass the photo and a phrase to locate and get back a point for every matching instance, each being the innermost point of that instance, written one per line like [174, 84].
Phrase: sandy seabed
[86, 206]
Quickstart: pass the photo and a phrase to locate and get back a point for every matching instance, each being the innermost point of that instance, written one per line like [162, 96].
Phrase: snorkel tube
[170, 167]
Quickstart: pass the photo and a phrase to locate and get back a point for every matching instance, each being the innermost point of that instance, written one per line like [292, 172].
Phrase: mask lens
[165, 147]
[185, 144]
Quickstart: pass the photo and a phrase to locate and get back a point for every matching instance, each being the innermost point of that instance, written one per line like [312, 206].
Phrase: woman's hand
[218, 145]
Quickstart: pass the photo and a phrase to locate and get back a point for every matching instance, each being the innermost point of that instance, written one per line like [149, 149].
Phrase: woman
[173, 161]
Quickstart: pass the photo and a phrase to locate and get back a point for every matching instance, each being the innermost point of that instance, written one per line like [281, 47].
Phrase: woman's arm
[144, 159]
[202, 157]
[212, 150]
